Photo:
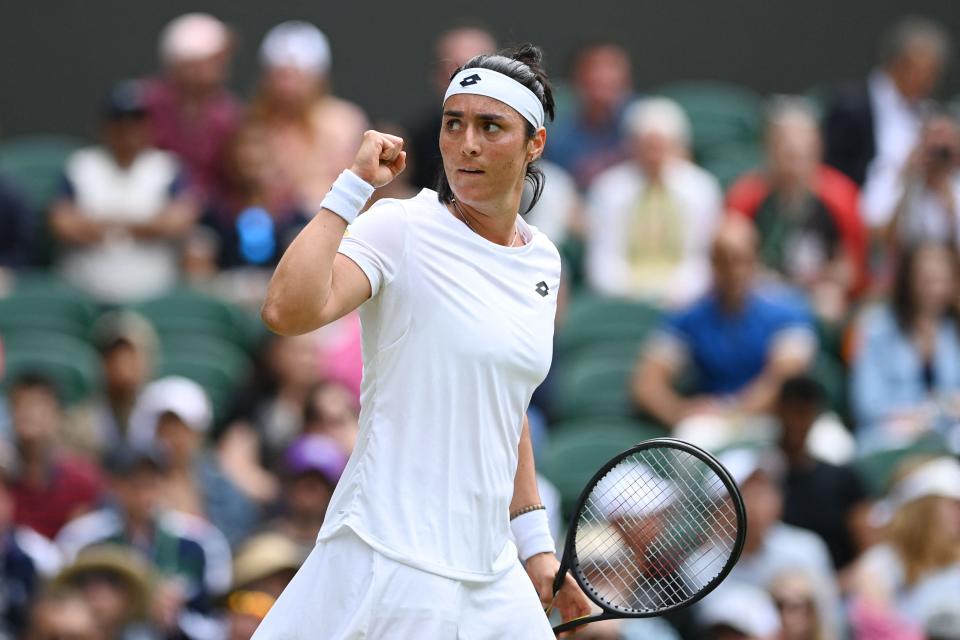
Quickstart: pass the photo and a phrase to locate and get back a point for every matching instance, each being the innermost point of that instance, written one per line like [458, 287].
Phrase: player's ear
[536, 144]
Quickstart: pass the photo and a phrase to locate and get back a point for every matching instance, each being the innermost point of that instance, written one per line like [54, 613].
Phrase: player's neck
[497, 223]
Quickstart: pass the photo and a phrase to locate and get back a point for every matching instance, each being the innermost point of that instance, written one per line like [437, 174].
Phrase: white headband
[484, 82]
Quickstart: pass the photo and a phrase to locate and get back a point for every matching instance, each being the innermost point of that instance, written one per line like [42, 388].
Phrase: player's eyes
[453, 125]
[491, 127]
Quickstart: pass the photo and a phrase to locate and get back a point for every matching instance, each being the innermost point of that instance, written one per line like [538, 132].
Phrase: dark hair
[523, 64]
[802, 390]
[901, 300]
[37, 380]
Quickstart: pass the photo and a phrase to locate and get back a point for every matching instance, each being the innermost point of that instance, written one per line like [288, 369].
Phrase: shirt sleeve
[376, 241]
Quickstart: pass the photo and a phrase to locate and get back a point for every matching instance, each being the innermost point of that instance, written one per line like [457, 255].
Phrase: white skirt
[346, 591]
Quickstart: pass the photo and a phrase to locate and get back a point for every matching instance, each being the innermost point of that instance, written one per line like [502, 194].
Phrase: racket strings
[655, 530]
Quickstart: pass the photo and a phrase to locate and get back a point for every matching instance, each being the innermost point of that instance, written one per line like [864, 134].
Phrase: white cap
[746, 608]
[742, 462]
[632, 490]
[174, 394]
[940, 477]
[193, 36]
[296, 44]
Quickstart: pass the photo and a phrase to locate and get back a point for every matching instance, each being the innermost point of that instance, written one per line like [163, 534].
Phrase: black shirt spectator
[823, 498]
[16, 229]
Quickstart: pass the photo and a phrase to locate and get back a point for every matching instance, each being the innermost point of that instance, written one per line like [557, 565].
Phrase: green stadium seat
[42, 302]
[720, 113]
[185, 312]
[594, 388]
[878, 468]
[578, 449]
[71, 363]
[728, 162]
[592, 322]
[35, 164]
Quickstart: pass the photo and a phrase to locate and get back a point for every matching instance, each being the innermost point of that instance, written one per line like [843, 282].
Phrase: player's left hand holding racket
[656, 529]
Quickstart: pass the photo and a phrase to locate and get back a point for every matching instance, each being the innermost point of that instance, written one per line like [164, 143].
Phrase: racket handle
[558, 580]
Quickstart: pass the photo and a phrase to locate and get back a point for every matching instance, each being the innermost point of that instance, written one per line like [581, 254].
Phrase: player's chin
[472, 190]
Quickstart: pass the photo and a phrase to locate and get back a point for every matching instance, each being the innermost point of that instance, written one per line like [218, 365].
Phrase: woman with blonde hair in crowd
[794, 594]
[311, 134]
[912, 577]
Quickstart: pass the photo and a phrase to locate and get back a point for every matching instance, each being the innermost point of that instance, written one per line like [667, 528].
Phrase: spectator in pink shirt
[191, 111]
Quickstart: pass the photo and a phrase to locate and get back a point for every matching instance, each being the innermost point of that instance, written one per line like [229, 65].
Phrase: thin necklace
[456, 205]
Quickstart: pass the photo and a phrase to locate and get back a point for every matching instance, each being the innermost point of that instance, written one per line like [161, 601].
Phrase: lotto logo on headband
[470, 80]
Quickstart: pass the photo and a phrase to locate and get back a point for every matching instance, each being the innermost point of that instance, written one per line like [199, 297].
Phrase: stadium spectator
[16, 228]
[773, 547]
[257, 219]
[116, 583]
[262, 568]
[192, 556]
[590, 139]
[191, 111]
[63, 613]
[795, 596]
[806, 213]
[310, 134]
[51, 487]
[25, 556]
[739, 611]
[871, 125]
[740, 343]
[311, 467]
[651, 217]
[129, 348]
[925, 201]
[175, 413]
[122, 209]
[291, 371]
[451, 50]
[837, 521]
[905, 377]
[331, 410]
[909, 580]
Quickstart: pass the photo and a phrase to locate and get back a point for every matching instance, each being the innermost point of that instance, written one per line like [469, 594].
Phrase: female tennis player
[457, 297]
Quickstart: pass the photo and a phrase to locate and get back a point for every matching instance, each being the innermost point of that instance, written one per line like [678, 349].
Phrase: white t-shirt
[612, 203]
[457, 335]
[122, 268]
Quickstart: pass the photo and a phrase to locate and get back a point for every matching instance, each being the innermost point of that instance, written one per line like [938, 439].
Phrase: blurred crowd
[773, 278]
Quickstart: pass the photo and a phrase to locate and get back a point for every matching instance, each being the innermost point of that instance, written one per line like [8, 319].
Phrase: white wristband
[532, 533]
[347, 196]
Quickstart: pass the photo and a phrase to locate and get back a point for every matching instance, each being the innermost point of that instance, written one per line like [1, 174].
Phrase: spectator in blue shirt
[739, 343]
[591, 139]
[905, 377]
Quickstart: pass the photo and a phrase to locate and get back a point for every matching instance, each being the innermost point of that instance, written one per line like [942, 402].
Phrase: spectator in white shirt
[123, 208]
[651, 218]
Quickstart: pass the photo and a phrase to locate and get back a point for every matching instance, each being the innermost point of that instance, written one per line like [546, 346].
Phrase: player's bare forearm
[525, 492]
[301, 283]
[312, 285]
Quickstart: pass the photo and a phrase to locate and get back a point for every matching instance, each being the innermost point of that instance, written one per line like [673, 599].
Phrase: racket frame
[569, 558]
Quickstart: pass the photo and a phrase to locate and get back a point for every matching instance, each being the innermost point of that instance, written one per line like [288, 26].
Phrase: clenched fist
[380, 159]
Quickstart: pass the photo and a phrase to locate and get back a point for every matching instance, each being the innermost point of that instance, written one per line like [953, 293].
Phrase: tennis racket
[656, 529]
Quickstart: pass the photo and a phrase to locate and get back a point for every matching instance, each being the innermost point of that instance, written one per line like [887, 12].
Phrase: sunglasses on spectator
[250, 603]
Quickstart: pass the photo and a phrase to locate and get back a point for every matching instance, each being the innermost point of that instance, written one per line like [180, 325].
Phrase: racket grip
[558, 580]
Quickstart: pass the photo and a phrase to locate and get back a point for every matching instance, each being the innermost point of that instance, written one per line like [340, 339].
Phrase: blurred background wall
[58, 57]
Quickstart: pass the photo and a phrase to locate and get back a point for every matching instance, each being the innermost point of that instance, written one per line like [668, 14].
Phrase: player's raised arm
[312, 284]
